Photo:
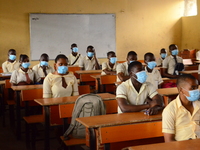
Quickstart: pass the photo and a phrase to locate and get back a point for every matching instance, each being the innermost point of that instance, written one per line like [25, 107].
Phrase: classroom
[142, 29]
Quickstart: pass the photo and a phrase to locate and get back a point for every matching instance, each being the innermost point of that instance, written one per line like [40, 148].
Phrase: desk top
[168, 91]
[88, 71]
[96, 76]
[198, 61]
[5, 76]
[177, 145]
[189, 71]
[27, 87]
[69, 99]
[117, 119]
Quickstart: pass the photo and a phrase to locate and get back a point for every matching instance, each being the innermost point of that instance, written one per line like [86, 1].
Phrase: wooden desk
[197, 62]
[189, 71]
[85, 75]
[3, 77]
[17, 90]
[129, 126]
[47, 102]
[177, 145]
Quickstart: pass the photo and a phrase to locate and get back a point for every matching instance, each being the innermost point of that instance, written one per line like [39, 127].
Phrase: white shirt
[87, 64]
[40, 72]
[105, 65]
[122, 68]
[72, 59]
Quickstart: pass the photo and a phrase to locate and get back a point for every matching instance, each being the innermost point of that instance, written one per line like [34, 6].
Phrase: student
[74, 57]
[90, 61]
[43, 68]
[163, 55]
[122, 69]
[153, 75]
[136, 94]
[109, 67]
[11, 64]
[181, 117]
[60, 83]
[169, 63]
[24, 75]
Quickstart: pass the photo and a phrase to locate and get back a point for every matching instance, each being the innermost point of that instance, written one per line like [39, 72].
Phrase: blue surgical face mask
[75, 49]
[90, 54]
[163, 55]
[194, 95]
[62, 69]
[141, 76]
[12, 57]
[26, 65]
[113, 60]
[151, 64]
[131, 61]
[175, 52]
[44, 63]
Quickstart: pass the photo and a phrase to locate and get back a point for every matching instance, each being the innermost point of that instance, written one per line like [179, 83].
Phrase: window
[190, 8]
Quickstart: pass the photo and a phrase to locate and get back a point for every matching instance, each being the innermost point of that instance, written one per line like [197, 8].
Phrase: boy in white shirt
[74, 57]
[163, 55]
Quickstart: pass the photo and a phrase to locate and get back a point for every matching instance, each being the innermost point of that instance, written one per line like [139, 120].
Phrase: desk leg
[93, 144]
[166, 100]
[18, 114]
[47, 126]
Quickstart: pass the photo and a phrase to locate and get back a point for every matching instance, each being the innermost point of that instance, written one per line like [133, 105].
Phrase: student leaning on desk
[181, 118]
[136, 94]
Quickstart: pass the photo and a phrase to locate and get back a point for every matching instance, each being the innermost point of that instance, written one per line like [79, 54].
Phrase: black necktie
[64, 84]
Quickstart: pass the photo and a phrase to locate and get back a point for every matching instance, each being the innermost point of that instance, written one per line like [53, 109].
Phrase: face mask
[163, 55]
[151, 64]
[131, 61]
[62, 69]
[75, 49]
[141, 76]
[43, 63]
[194, 95]
[113, 60]
[175, 52]
[90, 54]
[12, 57]
[25, 65]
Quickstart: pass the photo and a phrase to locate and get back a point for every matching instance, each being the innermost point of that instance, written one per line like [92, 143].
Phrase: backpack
[85, 106]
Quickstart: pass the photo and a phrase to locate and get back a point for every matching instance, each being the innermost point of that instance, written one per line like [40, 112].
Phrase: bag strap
[76, 60]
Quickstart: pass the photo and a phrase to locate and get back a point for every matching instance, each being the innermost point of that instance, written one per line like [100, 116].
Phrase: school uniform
[10, 67]
[20, 76]
[72, 59]
[87, 64]
[127, 91]
[53, 86]
[154, 77]
[170, 64]
[105, 65]
[122, 68]
[39, 70]
[176, 119]
[159, 61]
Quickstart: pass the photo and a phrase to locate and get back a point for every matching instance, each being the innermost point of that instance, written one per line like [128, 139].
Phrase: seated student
[122, 68]
[90, 61]
[43, 68]
[74, 57]
[136, 94]
[60, 83]
[24, 75]
[11, 64]
[163, 55]
[181, 117]
[169, 63]
[153, 75]
[109, 67]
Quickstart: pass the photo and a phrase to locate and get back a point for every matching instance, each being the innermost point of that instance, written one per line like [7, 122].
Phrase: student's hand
[152, 103]
[152, 111]
[94, 53]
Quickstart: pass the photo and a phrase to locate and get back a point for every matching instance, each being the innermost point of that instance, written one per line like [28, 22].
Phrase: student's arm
[109, 72]
[81, 63]
[122, 77]
[160, 80]
[4, 67]
[97, 67]
[75, 87]
[37, 78]
[13, 78]
[166, 74]
[47, 92]
[125, 107]
[169, 137]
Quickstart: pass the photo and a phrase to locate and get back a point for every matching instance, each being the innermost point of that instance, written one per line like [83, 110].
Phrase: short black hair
[60, 56]
[172, 45]
[44, 55]
[148, 54]
[182, 79]
[110, 52]
[90, 47]
[11, 50]
[133, 64]
[131, 53]
[74, 45]
[22, 57]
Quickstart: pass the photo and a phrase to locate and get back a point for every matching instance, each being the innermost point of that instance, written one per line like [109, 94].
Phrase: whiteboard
[54, 33]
